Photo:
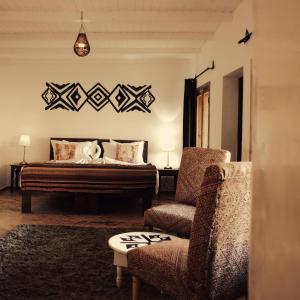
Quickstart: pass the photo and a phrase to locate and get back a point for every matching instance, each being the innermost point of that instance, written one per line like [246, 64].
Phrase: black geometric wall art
[118, 98]
[59, 101]
[137, 93]
[98, 96]
[77, 96]
[123, 98]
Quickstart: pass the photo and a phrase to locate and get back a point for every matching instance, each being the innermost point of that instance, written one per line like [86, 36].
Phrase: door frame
[201, 90]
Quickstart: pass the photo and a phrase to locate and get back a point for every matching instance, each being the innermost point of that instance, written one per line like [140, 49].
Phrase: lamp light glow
[24, 140]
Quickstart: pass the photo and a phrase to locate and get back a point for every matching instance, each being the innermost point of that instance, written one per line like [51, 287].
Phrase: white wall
[275, 250]
[22, 108]
[230, 115]
[228, 56]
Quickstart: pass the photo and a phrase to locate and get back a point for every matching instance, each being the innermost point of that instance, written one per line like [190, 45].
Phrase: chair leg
[26, 202]
[135, 288]
[147, 200]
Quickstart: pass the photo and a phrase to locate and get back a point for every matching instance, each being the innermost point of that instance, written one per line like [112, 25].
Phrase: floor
[59, 209]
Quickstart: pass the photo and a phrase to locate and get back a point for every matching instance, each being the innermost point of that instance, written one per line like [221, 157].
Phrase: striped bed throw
[89, 178]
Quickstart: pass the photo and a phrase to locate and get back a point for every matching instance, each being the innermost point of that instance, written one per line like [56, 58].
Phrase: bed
[127, 180]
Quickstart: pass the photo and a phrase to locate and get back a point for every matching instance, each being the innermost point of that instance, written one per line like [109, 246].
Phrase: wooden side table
[15, 170]
[167, 172]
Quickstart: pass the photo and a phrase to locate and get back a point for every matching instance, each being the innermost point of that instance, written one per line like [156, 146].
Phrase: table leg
[17, 175]
[26, 202]
[119, 277]
[159, 185]
[175, 182]
[12, 172]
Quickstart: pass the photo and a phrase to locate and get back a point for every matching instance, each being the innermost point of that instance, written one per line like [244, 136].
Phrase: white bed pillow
[75, 151]
[109, 149]
[126, 152]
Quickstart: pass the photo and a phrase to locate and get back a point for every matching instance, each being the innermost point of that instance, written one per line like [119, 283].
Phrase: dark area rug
[62, 262]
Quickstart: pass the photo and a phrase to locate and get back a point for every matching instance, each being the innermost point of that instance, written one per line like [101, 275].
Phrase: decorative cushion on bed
[65, 150]
[127, 152]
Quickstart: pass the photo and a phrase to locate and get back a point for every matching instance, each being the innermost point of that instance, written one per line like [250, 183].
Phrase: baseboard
[3, 187]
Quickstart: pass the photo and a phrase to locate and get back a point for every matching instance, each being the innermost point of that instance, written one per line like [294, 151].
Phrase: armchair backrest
[218, 250]
[191, 172]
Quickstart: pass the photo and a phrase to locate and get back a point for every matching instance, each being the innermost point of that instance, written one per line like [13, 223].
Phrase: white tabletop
[124, 242]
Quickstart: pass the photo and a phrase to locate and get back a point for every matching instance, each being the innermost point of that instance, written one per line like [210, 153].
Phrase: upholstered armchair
[178, 217]
[213, 263]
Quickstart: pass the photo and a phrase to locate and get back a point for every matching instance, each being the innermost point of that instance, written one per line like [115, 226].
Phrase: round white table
[124, 242]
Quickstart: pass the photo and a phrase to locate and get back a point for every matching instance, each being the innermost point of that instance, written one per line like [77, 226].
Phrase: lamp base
[167, 167]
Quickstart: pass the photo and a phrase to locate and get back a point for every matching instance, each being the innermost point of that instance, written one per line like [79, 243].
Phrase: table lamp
[168, 160]
[167, 142]
[168, 147]
[25, 142]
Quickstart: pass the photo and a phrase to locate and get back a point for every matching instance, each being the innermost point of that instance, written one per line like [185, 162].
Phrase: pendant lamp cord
[82, 27]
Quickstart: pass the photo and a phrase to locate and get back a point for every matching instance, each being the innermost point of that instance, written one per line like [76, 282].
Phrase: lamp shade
[167, 139]
[82, 46]
[24, 140]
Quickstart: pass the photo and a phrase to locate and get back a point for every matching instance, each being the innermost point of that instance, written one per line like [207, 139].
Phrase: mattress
[89, 178]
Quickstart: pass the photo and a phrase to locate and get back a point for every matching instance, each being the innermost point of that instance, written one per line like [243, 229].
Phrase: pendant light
[82, 46]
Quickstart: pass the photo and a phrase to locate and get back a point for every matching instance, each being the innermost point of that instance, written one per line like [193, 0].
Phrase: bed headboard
[145, 150]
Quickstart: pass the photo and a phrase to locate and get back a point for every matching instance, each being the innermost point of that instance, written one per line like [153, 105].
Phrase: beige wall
[228, 56]
[22, 108]
[230, 115]
[275, 255]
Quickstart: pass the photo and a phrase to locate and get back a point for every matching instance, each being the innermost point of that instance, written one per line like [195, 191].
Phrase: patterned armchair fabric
[213, 264]
[179, 217]
[220, 233]
[193, 164]
[162, 265]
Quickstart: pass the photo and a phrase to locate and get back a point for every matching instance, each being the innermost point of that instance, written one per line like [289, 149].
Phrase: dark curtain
[189, 113]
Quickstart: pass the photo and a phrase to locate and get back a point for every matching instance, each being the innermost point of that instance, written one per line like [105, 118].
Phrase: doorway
[232, 114]
[203, 116]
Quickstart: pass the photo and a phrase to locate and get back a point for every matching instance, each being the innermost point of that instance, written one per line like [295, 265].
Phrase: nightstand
[168, 173]
[15, 170]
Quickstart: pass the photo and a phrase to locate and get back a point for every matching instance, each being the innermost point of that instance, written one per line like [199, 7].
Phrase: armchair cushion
[163, 265]
[177, 217]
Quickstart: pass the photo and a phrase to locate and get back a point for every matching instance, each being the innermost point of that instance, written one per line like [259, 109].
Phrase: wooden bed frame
[145, 193]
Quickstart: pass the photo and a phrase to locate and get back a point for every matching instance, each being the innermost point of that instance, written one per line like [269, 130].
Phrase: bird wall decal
[246, 38]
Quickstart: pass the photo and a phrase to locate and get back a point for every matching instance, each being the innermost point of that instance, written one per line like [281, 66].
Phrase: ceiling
[34, 28]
